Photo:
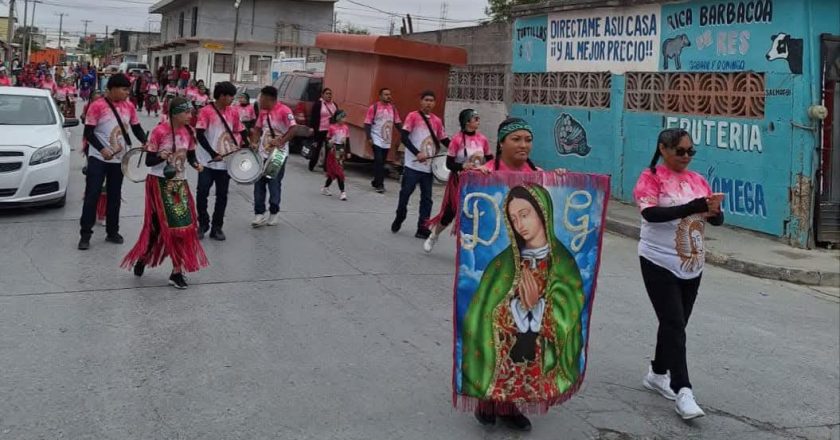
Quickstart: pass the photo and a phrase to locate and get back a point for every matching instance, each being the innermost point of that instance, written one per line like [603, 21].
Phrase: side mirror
[71, 122]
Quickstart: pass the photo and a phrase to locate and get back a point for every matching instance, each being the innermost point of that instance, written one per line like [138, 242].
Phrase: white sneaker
[326, 191]
[274, 219]
[686, 405]
[661, 383]
[429, 244]
[259, 220]
[343, 196]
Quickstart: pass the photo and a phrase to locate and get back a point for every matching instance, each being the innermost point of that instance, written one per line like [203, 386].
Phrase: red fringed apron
[449, 203]
[102, 204]
[333, 169]
[169, 228]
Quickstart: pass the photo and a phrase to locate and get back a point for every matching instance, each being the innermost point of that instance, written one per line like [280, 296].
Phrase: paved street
[328, 326]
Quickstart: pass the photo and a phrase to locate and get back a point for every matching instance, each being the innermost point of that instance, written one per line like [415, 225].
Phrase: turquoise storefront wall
[764, 164]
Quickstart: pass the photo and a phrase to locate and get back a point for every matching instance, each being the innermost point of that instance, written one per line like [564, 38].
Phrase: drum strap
[120, 122]
[224, 122]
[431, 131]
[268, 121]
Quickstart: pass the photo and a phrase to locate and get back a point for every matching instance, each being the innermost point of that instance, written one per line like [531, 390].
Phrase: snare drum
[244, 166]
[134, 165]
[275, 162]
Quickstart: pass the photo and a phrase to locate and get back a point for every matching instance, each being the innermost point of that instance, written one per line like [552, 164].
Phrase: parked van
[129, 66]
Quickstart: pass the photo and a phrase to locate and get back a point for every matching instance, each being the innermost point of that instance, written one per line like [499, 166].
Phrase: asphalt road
[328, 326]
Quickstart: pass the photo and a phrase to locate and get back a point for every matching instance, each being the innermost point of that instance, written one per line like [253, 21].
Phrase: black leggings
[672, 299]
[340, 183]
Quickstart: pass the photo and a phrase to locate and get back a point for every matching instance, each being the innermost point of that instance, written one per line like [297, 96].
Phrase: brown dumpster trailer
[358, 66]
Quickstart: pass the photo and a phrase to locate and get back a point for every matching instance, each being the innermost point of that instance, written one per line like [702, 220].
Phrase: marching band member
[106, 132]
[219, 132]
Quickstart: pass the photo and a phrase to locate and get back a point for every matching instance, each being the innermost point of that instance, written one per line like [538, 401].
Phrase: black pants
[206, 179]
[140, 97]
[330, 181]
[99, 172]
[411, 178]
[317, 146]
[672, 299]
[379, 156]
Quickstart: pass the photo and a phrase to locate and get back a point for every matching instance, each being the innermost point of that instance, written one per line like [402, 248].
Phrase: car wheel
[59, 203]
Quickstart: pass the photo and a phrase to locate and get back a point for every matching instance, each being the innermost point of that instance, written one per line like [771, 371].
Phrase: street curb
[796, 276]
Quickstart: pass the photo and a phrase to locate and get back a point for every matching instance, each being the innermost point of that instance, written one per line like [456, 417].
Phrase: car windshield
[26, 110]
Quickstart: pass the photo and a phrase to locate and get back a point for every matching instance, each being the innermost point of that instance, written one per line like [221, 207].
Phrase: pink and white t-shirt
[338, 134]
[382, 118]
[327, 111]
[107, 129]
[246, 112]
[469, 148]
[676, 245]
[153, 89]
[279, 119]
[61, 93]
[217, 135]
[161, 139]
[418, 133]
[200, 100]
[171, 89]
[191, 92]
[49, 85]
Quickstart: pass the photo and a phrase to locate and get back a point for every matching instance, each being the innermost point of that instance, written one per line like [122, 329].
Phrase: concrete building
[132, 45]
[750, 80]
[198, 34]
[484, 83]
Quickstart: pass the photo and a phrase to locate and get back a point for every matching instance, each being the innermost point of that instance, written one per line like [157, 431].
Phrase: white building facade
[199, 34]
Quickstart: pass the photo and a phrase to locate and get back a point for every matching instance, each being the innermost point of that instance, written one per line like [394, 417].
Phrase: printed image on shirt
[689, 242]
[225, 145]
[387, 132]
[116, 141]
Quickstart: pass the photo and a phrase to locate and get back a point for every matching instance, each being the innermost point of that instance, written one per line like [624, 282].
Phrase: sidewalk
[746, 252]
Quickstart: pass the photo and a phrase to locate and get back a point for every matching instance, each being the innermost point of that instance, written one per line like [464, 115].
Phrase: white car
[34, 149]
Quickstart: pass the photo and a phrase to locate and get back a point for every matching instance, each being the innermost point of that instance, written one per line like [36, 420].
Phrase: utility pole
[391, 30]
[60, 26]
[236, 4]
[29, 31]
[11, 31]
[85, 35]
[25, 32]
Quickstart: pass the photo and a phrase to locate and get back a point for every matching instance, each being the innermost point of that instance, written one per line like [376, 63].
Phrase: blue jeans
[206, 179]
[97, 173]
[379, 156]
[275, 187]
[410, 179]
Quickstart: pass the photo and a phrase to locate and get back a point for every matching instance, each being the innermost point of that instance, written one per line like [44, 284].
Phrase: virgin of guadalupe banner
[529, 249]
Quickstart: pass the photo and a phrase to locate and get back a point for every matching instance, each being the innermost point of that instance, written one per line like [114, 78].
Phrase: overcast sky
[134, 14]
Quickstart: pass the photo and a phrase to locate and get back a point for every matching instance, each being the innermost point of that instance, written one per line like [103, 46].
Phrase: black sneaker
[217, 234]
[139, 268]
[516, 421]
[396, 225]
[177, 281]
[202, 229]
[84, 243]
[114, 238]
[423, 233]
[380, 189]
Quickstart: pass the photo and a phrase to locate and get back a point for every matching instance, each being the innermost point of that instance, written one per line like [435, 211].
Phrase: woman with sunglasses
[675, 203]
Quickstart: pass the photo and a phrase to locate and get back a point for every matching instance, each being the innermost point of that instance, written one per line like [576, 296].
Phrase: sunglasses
[680, 152]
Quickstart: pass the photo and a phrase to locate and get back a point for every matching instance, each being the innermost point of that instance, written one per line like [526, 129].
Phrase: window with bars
[222, 63]
[181, 25]
[565, 89]
[471, 85]
[253, 62]
[193, 62]
[737, 94]
[194, 22]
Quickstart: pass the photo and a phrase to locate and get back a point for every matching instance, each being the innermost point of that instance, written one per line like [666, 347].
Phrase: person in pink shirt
[106, 130]
[219, 133]
[468, 149]
[272, 130]
[4, 77]
[49, 84]
[153, 98]
[423, 135]
[319, 120]
[246, 111]
[381, 122]
[338, 138]
[675, 204]
[191, 91]
[200, 99]
[169, 226]
[65, 95]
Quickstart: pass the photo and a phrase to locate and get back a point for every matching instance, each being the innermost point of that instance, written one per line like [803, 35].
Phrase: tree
[350, 28]
[500, 10]
[21, 32]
